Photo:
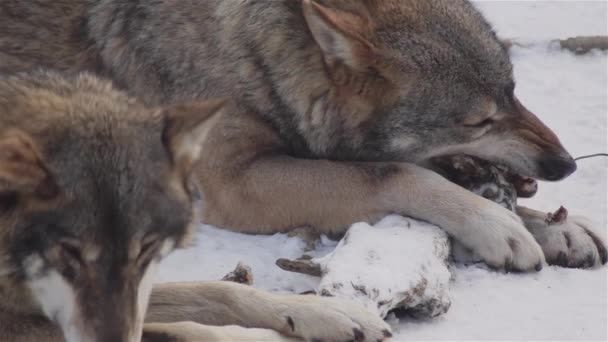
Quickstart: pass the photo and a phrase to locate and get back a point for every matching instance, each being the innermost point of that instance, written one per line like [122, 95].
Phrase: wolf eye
[149, 247]
[481, 124]
[72, 258]
[484, 123]
[71, 250]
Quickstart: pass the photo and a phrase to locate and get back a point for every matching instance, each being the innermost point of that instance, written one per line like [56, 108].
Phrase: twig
[592, 156]
[578, 45]
[583, 44]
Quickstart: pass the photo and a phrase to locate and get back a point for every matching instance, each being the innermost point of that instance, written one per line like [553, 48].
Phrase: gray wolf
[94, 193]
[339, 105]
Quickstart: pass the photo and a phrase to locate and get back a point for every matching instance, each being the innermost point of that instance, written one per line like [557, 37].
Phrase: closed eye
[71, 249]
[71, 257]
[149, 248]
[482, 124]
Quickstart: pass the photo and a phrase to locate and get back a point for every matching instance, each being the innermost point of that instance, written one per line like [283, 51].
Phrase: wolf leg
[275, 192]
[194, 332]
[571, 243]
[225, 303]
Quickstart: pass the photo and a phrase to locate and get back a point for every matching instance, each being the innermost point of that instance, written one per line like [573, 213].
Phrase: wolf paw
[331, 319]
[499, 237]
[571, 243]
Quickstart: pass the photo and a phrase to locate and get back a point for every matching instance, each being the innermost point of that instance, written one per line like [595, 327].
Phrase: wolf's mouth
[478, 175]
[526, 187]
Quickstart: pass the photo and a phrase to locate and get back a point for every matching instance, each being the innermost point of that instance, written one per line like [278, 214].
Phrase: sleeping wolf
[338, 105]
[93, 194]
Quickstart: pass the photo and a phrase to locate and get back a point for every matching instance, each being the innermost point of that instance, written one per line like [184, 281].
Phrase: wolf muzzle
[556, 167]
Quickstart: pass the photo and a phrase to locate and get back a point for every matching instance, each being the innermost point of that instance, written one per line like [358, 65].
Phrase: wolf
[94, 193]
[338, 107]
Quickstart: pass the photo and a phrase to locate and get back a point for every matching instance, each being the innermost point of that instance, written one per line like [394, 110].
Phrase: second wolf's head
[94, 192]
[416, 79]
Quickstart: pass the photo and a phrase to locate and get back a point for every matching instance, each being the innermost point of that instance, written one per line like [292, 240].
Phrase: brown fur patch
[20, 162]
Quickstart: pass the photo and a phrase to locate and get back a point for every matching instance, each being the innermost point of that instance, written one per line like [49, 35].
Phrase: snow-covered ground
[567, 92]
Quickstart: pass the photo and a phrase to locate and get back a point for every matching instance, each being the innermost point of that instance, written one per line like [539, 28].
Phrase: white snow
[544, 19]
[569, 93]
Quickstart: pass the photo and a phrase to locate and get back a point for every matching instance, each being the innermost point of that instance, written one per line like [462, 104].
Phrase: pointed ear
[339, 34]
[186, 127]
[21, 166]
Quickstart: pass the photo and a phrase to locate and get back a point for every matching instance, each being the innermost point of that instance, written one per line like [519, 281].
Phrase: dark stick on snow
[578, 45]
[581, 44]
[300, 266]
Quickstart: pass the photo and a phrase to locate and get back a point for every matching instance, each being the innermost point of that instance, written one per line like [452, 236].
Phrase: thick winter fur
[94, 193]
[336, 101]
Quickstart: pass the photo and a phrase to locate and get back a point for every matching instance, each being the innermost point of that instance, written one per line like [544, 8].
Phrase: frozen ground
[570, 94]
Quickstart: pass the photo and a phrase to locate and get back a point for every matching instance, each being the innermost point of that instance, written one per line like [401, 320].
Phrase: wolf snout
[556, 167]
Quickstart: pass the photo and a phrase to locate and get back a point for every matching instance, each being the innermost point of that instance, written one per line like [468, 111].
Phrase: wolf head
[94, 192]
[432, 79]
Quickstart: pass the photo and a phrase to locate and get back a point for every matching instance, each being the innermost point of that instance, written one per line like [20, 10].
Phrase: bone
[303, 266]
[398, 263]
[485, 179]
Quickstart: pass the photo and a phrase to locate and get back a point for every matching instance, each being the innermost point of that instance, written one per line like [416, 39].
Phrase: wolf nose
[555, 167]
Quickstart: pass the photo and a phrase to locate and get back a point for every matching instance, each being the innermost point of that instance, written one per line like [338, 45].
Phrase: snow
[546, 20]
[569, 93]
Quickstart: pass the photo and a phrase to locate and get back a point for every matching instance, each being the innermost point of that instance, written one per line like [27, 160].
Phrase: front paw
[499, 237]
[570, 243]
[331, 319]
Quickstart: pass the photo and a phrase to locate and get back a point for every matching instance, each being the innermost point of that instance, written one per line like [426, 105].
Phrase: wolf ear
[186, 127]
[21, 166]
[339, 34]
